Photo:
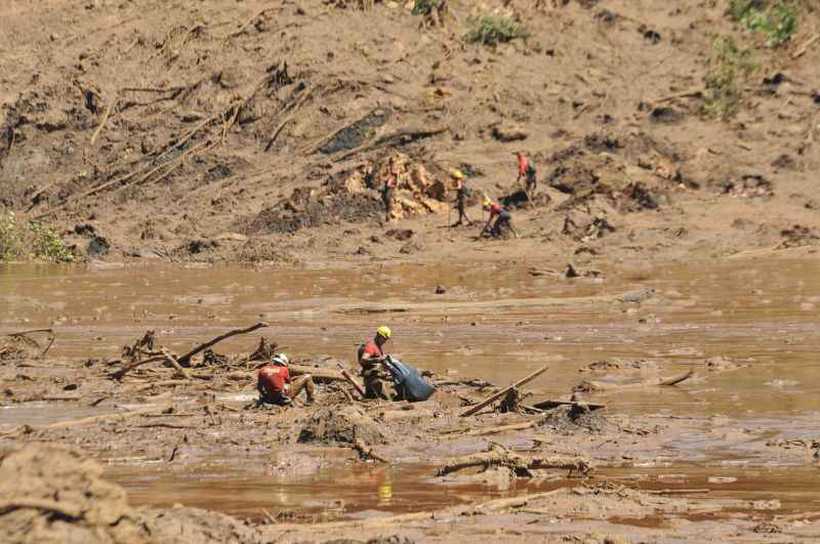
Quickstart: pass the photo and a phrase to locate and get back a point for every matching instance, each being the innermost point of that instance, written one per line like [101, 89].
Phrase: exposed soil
[259, 132]
[211, 132]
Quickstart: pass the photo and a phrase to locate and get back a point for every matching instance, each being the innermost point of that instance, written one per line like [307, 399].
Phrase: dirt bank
[158, 130]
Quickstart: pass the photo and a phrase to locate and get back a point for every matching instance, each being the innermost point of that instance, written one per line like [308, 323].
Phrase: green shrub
[424, 7]
[777, 20]
[728, 66]
[23, 240]
[494, 29]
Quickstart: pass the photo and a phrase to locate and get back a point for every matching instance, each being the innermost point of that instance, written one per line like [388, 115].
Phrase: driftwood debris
[359, 389]
[493, 398]
[366, 452]
[317, 373]
[25, 338]
[549, 404]
[185, 360]
[174, 363]
[589, 385]
[520, 464]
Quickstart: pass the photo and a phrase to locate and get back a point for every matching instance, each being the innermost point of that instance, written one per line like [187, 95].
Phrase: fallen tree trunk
[550, 404]
[589, 386]
[491, 399]
[519, 463]
[185, 360]
[319, 374]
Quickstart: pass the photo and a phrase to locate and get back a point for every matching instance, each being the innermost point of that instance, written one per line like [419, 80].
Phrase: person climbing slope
[499, 220]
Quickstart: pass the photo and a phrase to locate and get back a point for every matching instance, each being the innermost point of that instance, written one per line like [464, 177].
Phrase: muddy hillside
[262, 131]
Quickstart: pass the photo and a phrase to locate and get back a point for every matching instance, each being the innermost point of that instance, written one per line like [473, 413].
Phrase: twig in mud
[164, 426]
[171, 359]
[103, 121]
[492, 398]
[185, 360]
[128, 368]
[359, 389]
[366, 452]
[396, 139]
[694, 93]
[805, 47]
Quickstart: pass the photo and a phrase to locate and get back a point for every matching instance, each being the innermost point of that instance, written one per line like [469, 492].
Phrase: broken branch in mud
[366, 452]
[318, 373]
[174, 363]
[549, 404]
[805, 47]
[492, 398]
[128, 368]
[185, 360]
[25, 336]
[588, 385]
[521, 464]
[359, 389]
[67, 511]
[396, 139]
[103, 121]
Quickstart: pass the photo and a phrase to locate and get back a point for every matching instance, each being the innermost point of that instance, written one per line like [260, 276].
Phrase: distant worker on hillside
[371, 358]
[275, 386]
[389, 190]
[499, 221]
[526, 170]
[461, 197]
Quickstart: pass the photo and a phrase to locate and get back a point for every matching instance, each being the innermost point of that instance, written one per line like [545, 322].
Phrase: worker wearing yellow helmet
[461, 197]
[500, 219]
[371, 357]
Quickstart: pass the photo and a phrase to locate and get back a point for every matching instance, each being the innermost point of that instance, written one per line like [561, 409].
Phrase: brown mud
[733, 444]
[168, 142]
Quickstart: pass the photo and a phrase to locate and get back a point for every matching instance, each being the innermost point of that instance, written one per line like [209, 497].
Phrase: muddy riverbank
[741, 430]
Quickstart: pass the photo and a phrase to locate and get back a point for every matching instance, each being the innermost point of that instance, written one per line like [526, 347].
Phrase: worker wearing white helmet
[276, 387]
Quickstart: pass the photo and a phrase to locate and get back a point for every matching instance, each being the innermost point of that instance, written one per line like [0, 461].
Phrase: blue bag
[410, 385]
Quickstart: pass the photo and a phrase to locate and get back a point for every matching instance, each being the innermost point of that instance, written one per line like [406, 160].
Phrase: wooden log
[588, 385]
[171, 359]
[352, 381]
[185, 360]
[319, 374]
[515, 461]
[549, 404]
[492, 398]
[366, 452]
[118, 375]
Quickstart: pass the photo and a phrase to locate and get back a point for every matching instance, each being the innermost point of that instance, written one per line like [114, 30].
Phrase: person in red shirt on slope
[499, 219]
[526, 170]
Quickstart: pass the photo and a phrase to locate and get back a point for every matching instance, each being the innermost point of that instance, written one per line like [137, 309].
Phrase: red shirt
[495, 209]
[273, 378]
[372, 350]
[523, 165]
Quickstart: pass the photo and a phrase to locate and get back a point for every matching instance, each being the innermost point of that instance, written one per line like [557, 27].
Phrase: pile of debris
[355, 196]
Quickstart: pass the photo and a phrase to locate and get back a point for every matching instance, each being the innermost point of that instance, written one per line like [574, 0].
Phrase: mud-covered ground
[241, 132]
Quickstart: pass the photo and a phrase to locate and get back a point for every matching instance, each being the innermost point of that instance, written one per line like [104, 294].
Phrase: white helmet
[280, 359]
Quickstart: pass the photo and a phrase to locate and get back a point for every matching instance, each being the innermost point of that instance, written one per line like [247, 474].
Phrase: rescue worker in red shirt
[499, 219]
[526, 170]
[377, 382]
[275, 386]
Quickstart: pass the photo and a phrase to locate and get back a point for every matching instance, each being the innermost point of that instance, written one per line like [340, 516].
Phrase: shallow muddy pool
[492, 322]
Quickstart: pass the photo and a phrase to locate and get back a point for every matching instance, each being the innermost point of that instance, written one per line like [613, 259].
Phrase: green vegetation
[728, 66]
[494, 29]
[30, 240]
[425, 7]
[777, 20]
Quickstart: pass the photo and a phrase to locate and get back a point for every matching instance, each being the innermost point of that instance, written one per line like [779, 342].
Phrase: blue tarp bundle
[410, 385]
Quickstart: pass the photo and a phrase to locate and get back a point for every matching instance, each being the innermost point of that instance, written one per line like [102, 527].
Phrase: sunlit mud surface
[496, 323]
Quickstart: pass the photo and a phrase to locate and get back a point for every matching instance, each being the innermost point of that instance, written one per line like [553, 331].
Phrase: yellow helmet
[455, 173]
[384, 331]
[486, 203]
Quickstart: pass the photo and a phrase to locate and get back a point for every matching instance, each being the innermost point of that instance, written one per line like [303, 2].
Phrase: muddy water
[494, 322]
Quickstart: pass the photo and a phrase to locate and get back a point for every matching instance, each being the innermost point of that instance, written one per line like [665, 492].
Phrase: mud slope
[181, 129]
